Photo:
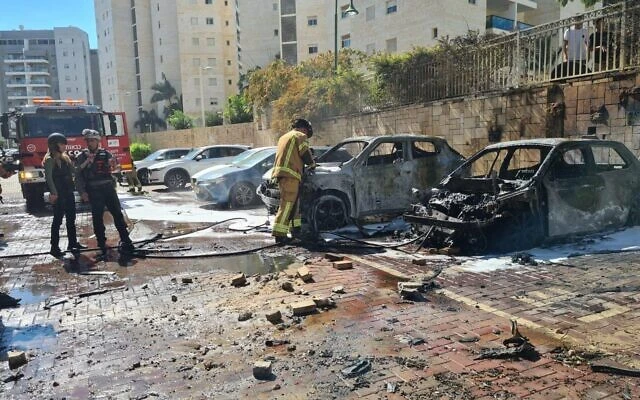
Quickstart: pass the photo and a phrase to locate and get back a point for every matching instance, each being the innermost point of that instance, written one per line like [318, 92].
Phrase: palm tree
[151, 119]
[166, 93]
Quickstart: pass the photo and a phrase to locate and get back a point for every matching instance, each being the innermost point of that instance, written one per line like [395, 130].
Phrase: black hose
[205, 255]
[382, 246]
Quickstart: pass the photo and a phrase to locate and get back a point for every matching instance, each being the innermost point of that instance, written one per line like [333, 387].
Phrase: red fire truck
[30, 125]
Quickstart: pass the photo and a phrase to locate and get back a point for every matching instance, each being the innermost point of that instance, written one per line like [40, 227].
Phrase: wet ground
[175, 327]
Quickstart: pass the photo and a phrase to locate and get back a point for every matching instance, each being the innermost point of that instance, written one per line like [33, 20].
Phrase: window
[211, 42]
[161, 59]
[371, 48]
[570, 164]
[523, 163]
[213, 82]
[213, 101]
[160, 41]
[226, 23]
[313, 48]
[67, 78]
[65, 53]
[371, 13]
[195, 41]
[392, 45]
[422, 149]
[434, 33]
[208, 1]
[345, 41]
[228, 43]
[194, 20]
[66, 66]
[386, 153]
[472, 2]
[230, 82]
[276, 32]
[196, 62]
[68, 90]
[211, 62]
[392, 6]
[209, 21]
[607, 158]
[228, 62]
[312, 21]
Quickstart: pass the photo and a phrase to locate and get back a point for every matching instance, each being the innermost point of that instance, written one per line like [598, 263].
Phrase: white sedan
[175, 174]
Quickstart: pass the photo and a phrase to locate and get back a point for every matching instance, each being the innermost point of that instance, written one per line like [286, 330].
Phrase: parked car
[176, 174]
[234, 184]
[514, 195]
[142, 166]
[365, 176]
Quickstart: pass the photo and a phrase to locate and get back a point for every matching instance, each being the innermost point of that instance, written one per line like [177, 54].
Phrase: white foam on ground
[623, 240]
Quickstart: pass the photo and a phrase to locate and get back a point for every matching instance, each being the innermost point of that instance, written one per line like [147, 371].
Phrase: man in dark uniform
[95, 184]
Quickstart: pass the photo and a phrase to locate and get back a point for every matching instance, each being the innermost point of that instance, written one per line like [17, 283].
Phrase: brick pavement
[135, 340]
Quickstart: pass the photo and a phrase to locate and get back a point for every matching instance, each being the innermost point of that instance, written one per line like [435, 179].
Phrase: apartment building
[196, 45]
[308, 26]
[44, 63]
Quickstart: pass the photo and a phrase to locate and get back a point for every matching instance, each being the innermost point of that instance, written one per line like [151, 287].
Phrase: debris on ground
[287, 286]
[305, 274]
[274, 316]
[262, 370]
[303, 307]
[342, 265]
[325, 302]
[245, 316]
[239, 280]
[16, 359]
[54, 301]
[358, 368]
[516, 347]
[338, 289]
[333, 257]
[573, 358]
[613, 367]
[523, 259]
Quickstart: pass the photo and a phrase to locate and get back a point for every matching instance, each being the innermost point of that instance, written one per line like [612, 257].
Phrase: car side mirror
[198, 157]
[160, 158]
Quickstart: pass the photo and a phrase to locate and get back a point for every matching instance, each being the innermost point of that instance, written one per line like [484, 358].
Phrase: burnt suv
[514, 195]
[367, 176]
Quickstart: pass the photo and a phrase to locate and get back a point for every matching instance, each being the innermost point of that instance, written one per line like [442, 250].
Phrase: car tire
[143, 176]
[328, 213]
[176, 179]
[522, 231]
[242, 194]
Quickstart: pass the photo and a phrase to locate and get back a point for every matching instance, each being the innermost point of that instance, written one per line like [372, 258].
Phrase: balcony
[28, 60]
[500, 24]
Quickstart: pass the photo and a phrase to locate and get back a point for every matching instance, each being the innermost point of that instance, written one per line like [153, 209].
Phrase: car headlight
[28, 175]
[211, 182]
[155, 169]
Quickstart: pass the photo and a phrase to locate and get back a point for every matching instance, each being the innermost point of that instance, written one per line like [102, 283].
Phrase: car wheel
[242, 194]
[143, 176]
[328, 213]
[176, 179]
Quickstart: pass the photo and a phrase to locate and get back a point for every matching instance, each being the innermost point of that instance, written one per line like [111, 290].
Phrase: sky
[46, 14]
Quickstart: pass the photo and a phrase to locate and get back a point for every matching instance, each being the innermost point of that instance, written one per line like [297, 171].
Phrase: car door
[425, 168]
[574, 193]
[381, 178]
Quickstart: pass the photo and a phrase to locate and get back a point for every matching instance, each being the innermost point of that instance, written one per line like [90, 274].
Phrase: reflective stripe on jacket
[292, 153]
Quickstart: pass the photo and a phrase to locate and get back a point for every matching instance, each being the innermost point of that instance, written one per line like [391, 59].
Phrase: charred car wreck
[367, 176]
[515, 195]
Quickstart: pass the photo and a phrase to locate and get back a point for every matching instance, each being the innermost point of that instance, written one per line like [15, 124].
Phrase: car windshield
[192, 153]
[245, 154]
[153, 156]
[343, 152]
[254, 158]
[513, 163]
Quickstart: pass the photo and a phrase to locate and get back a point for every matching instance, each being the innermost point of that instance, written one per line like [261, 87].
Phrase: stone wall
[570, 109]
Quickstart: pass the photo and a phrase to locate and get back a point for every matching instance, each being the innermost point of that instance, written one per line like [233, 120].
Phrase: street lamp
[202, 93]
[351, 10]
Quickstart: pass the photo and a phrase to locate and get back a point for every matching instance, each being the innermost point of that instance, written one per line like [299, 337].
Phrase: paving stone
[342, 265]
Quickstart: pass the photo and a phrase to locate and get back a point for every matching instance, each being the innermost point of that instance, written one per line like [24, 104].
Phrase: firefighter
[292, 154]
[96, 185]
[58, 172]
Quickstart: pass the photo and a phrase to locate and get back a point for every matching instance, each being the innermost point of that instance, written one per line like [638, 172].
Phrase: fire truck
[30, 125]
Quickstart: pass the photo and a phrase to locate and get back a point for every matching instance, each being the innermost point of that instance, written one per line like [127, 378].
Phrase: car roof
[391, 137]
[547, 142]
[237, 146]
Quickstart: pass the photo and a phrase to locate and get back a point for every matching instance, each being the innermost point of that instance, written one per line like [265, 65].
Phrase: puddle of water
[32, 295]
[41, 337]
[255, 263]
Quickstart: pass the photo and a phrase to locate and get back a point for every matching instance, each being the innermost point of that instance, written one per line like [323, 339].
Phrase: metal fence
[604, 40]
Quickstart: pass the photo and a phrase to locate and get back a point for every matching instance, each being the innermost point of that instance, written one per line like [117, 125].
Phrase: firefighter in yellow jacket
[292, 154]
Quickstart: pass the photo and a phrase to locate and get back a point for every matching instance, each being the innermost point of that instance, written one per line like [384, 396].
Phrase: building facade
[308, 26]
[196, 45]
[52, 64]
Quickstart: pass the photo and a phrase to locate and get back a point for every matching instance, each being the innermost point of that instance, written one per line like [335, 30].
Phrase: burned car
[366, 176]
[514, 195]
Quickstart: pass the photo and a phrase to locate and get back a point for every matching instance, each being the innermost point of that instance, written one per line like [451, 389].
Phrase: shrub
[139, 150]
[180, 120]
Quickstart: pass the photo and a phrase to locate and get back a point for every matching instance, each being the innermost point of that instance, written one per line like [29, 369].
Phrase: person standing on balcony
[574, 49]
[600, 47]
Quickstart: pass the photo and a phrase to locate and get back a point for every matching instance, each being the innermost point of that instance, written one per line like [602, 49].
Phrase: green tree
[139, 150]
[180, 120]
[589, 3]
[213, 118]
[238, 110]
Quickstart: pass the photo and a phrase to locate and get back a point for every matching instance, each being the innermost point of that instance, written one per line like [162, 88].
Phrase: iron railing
[600, 41]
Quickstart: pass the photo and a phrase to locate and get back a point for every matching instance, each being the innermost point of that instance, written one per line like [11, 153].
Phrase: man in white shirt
[575, 43]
